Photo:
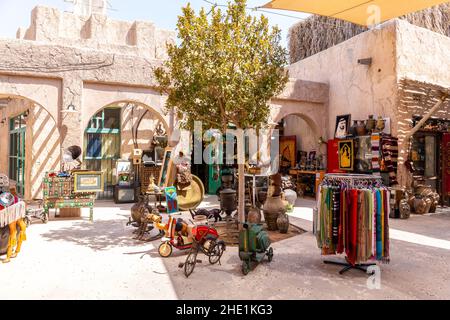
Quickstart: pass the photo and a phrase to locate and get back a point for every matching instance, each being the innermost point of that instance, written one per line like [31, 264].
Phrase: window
[17, 129]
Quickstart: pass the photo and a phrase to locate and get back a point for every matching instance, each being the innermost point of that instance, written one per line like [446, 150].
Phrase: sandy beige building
[73, 79]
[408, 73]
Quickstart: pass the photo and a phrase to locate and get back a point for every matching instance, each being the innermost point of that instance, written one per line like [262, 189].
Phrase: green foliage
[226, 69]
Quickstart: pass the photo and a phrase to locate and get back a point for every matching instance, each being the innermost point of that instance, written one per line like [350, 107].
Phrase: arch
[20, 97]
[115, 103]
[96, 94]
[42, 142]
[44, 92]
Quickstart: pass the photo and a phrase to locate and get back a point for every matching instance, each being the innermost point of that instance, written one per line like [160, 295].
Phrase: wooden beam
[427, 116]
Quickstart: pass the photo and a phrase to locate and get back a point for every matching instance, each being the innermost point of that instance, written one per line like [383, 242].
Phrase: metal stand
[347, 266]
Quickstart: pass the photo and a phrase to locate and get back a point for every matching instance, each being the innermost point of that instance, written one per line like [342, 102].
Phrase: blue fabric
[379, 226]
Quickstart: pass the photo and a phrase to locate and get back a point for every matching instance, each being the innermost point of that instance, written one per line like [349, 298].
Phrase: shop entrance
[300, 154]
[113, 134]
[102, 145]
[430, 157]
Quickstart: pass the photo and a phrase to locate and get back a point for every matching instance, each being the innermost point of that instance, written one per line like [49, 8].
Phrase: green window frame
[16, 157]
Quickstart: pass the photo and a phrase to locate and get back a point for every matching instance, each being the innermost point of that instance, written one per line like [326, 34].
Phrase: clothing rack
[353, 180]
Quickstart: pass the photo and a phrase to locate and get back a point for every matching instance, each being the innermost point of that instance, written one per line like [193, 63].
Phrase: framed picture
[123, 166]
[346, 155]
[342, 126]
[88, 181]
[167, 171]
[288, 151]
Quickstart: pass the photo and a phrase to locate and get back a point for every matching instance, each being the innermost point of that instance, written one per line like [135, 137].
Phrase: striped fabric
[389, 153]
[375, 140]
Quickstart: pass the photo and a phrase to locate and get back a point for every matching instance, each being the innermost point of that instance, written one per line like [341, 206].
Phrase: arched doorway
[301, 155]
[300, 132]
[29, 144]
[115, 131]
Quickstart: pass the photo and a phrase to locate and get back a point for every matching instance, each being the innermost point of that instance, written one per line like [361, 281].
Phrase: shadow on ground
[100, 235]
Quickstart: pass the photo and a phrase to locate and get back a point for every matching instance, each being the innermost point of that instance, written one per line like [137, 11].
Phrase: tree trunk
[241, 173]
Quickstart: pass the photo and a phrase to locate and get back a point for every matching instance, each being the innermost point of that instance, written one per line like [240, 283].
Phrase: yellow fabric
[362, 12]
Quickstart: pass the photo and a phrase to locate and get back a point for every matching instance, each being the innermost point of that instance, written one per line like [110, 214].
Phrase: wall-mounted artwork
[346, 155]
[342, 126]
[288, 151]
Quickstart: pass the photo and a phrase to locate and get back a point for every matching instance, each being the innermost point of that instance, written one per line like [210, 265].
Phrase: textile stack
[353, 218]
[389, 156]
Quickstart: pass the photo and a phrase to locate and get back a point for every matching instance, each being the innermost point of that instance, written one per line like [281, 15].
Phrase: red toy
[181, 236]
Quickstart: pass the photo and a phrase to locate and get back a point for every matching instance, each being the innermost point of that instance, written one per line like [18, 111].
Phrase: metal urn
[228, 203]
[283, 223]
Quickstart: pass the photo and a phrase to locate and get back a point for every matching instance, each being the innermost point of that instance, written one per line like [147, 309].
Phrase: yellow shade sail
[362, 12]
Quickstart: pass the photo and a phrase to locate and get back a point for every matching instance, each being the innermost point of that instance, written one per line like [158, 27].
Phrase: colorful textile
[375, 141]
[389, 156]
[354, 221]
[12, 213]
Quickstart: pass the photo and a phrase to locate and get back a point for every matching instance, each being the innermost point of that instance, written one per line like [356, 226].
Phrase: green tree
[226, 68]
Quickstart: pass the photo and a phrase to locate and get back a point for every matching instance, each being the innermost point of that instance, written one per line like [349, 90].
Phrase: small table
[81, 201]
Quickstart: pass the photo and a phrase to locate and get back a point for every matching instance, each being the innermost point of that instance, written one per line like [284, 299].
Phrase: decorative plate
[6, 199]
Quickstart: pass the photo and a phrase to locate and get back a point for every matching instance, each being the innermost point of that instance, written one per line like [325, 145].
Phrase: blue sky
[16, 13]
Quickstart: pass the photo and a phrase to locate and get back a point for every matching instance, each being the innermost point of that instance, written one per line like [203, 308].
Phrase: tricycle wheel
[216, 253]
[245, 268]
[165, 249]
[189, 265]
[270, 254]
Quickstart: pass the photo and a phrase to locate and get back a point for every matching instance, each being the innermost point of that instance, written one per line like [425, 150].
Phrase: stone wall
[398, 50]
[96, 31]
[88, 63]
[354, 88]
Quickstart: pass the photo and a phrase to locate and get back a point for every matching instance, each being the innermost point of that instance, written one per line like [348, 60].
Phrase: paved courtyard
[75, 259]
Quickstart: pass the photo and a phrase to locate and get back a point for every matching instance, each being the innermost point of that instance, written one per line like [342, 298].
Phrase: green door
[17, 130]
[214, 170]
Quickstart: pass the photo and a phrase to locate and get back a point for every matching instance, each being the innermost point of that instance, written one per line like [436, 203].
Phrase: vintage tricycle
[180, 235]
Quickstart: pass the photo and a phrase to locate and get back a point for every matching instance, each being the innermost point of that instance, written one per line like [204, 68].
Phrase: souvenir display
[6, 200]
[346, 155]
[353, 218]
[342, 126]
[12, 224]
[77, 190]
[288, 152]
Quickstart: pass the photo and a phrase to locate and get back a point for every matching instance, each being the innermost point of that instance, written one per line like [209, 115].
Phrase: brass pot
[273, 207]
[361, 128]
[283, 223]
[381, 124]
[254, 216]
[371, 124]
[405, 209]
[228, 201]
